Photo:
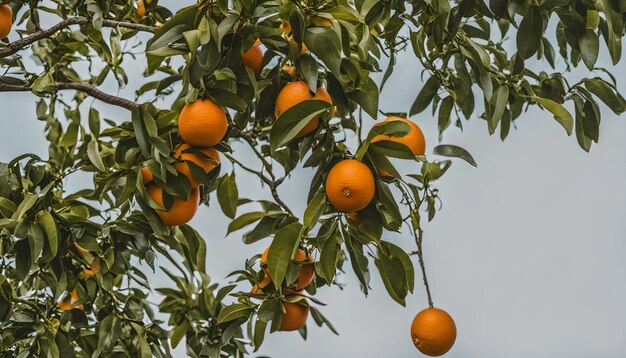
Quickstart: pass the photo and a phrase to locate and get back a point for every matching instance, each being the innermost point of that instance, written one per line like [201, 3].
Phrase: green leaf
[48, 225]
[560, 113]
[282, 250]
[529, 33]
[444, 113]
[328, 258]
[233, 312]
[35, 241]
[425, 96]
[367, 97]
[409, 270]
[308, 68]
[93, 153]
[326, 45]
[315, 209]
[179, 332]
[7, 207]
[293, 120]
[389, 128]
[606, 94]
[448, 150]
[71, 135]
[228, 195]
[589, 47]
[498, 100]
[245, 220]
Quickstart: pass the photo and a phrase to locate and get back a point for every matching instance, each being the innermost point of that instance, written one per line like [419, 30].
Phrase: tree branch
[88, 89]
[273, 184]
[15, 46]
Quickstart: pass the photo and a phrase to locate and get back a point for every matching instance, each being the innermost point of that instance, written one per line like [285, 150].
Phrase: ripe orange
[181, 211]
[204, 162]
[294, 317]
[81, 249]
[95, 266]
[202, 123]
[68, 302]
[296, 92]
[141, 8]
[414, 139]
[6, 20]
[253, 57]
[433, 332]
[307, 269]
[355, 218]
[291, 70]
[350, 185]
[65, 305]
[146, 175]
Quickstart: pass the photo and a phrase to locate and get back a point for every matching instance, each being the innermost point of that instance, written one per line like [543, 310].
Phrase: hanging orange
[307, 269]
[433, 332]
[414, 139]
[294, 317]
[253, 57]
[6, 20]
[350, 185]
[296, 92]
[202, 123]
[181, 212]
[207, 163]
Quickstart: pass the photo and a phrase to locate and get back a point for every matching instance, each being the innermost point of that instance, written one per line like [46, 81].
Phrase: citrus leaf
[448, 150]
[282, 250]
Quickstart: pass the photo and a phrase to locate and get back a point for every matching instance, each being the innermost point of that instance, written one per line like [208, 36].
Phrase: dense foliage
[87, 244]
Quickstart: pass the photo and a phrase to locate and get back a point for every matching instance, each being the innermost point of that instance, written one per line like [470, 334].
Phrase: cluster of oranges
[350, 184]
[350, 187]
[296, 310]
[70, 299]
[202, 124]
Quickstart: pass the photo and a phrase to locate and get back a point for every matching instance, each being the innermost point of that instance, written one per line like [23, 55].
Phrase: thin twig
[93, 91]
[273, 184]
[418, 234]
[15, 46]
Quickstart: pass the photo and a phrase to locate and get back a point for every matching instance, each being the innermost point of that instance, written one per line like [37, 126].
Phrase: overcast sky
[528, 253]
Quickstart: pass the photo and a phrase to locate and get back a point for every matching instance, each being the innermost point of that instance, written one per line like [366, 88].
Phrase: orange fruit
[203, 162]
[291, 70]
[296, 92]
[6, 20]
[355, 218]
[350, 185]
[146, 175]
[141, 8]
[65, 305]
[253, 57]
[414, 140]
[181, 211]
[95, 266]
[433, 332]
[81, 249]
[307, 269]
[202, 123]
[294, 317]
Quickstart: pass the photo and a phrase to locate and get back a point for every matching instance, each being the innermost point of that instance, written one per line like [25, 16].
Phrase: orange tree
[289, 79]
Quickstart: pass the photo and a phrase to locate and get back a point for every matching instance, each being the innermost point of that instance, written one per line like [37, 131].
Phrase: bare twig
[93, 91]
[418, 234]
[273, 184]
[15, 46]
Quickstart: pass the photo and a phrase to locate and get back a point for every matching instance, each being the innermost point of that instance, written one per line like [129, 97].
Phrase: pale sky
[527, 254]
